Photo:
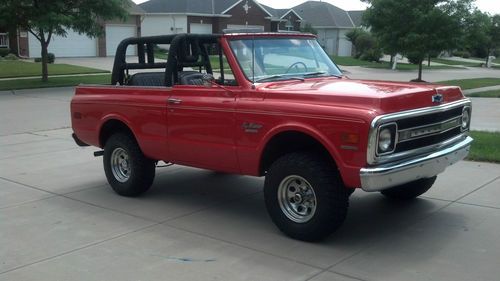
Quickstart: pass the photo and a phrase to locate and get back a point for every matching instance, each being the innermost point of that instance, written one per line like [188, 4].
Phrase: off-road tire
[142, 169]
[332, 198]
[409, 190]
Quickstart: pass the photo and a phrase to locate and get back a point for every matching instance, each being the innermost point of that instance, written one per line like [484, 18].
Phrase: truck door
[201, 129]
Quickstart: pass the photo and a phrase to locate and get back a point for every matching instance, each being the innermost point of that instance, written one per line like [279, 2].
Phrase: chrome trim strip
[371, 157]
[393, 174]
[455, 122]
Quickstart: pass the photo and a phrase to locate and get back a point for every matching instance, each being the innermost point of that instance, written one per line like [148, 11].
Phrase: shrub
[373, 54]
[51, 58]
[11, 57]
[466, 55]
[415, 58]
[4, 52]
[38, 59]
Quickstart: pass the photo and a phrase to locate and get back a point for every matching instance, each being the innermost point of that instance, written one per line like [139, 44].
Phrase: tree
[417, 28]
[365, 45]
[45, 18]
[493, 33]
[476, 37]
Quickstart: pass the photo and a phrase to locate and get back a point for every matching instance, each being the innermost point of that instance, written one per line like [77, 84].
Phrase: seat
[190, 78]
[152, 79]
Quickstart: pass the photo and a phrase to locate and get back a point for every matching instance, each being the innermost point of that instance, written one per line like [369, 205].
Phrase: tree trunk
[487, 57]
[45, 58]
[420, 71]
[392, 60]
[429, 60]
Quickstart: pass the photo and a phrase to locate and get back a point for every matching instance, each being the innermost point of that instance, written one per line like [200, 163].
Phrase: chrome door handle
[174, 101]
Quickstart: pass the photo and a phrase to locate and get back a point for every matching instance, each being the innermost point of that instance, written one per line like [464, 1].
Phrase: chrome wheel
[120, 165]
[297, 199]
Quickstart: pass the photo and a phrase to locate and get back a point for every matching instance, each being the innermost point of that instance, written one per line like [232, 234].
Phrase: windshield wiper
[279, 78]
[321, 73]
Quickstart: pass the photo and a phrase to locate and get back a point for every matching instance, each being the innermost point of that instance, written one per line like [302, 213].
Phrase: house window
[4, 40]
[289, 24]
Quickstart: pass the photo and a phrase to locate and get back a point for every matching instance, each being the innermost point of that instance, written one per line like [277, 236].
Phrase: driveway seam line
[79, 248]
[477, 189]
[242, 246]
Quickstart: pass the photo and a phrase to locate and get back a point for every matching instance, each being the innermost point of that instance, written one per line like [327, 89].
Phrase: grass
[453, 62]
[485, 147]
[54, 82]
[467, 84]
[350, 61]
[13, 69]
[486, 94]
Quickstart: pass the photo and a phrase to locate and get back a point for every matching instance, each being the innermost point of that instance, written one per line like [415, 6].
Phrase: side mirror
[208, 80]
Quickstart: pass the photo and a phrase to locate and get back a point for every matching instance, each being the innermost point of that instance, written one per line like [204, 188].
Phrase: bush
[38, 59]
[466, 55]
[51, 58]
[11, 57]
[415, 58]
[373, 54]
[4, 52]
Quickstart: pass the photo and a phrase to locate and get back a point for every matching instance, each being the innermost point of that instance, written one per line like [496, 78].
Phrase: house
[332, 24]
[213, 16]
[78, 45]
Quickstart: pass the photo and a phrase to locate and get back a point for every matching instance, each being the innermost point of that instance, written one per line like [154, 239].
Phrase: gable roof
[187, 6]
[133, 9]
[324, 14]
[357, 17]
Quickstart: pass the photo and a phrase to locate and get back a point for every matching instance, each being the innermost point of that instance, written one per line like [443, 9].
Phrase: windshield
[282, 58]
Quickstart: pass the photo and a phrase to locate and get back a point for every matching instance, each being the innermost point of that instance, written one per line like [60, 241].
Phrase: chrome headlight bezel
[466, 118]
[392, 130]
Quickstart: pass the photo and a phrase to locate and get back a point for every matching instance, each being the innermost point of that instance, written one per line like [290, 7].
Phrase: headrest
[189, 51]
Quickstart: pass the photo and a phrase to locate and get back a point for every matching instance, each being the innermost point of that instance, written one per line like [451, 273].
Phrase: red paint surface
[206, 129]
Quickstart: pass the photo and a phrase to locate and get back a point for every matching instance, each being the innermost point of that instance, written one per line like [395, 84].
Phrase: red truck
[279, 108]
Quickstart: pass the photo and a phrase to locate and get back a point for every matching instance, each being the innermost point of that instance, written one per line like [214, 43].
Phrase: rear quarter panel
[143, 110]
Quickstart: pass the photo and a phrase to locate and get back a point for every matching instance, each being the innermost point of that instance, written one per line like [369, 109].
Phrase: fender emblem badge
[251, 127]
[437, 98]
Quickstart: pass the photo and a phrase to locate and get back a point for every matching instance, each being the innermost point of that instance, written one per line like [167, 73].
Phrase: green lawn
[54, 82]
[485, 147]
[350, 61]
[487, 94]
[12, 69]
[466, 84]
[453, 62]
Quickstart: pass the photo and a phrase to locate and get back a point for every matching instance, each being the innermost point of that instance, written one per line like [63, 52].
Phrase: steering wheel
[295, 64]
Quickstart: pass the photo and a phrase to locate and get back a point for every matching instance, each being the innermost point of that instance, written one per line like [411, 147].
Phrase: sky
[489, 6]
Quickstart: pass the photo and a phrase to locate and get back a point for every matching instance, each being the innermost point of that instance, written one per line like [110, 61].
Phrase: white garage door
[115, 34]
[73, 45]
[199, 28]
[237, 26]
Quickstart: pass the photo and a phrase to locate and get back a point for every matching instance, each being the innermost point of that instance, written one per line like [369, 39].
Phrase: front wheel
[409, 190]
[128, 171]
[305, 196]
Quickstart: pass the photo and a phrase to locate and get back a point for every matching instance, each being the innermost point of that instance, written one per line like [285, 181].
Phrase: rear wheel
[305, 196]
[128, 171]
[409, 190]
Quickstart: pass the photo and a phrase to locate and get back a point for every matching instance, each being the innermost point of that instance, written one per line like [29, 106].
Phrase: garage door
[199, 28]
[73, 45]
[237, 26]
[115, 34]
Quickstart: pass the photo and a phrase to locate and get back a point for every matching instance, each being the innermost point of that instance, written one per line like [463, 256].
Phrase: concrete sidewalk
[59, 219]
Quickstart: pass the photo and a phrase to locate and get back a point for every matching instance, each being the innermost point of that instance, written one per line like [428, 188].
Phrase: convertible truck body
[379, 136]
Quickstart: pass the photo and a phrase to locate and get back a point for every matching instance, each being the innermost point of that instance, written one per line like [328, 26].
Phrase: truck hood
[382, 96]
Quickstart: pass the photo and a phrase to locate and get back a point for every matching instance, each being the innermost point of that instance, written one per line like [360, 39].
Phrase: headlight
[386, 142]
[465, 118]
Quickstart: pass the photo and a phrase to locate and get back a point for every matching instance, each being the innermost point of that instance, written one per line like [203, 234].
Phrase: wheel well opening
[111, 127]
[288, 142]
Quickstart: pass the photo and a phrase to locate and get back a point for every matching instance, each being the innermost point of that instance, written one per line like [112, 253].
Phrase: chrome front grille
[420, 131]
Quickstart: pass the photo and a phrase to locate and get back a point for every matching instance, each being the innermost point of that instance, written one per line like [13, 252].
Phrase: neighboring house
[213, 16]
[79, 45]
[332, 24]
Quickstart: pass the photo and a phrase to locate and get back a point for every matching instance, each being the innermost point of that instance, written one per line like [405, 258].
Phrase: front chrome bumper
[392, 174]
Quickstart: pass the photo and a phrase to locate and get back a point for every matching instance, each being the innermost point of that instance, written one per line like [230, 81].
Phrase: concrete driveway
[59, 220]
